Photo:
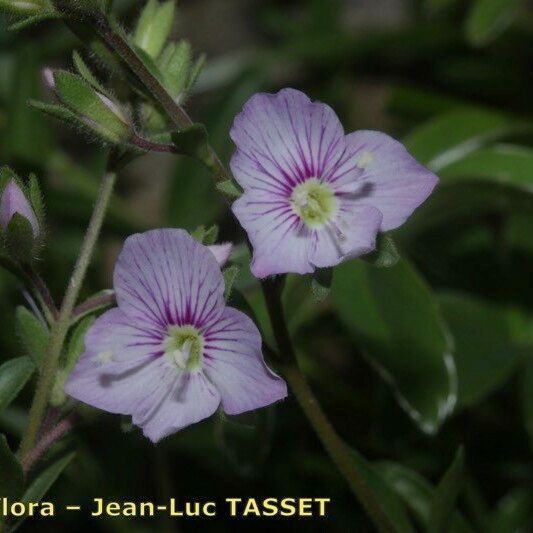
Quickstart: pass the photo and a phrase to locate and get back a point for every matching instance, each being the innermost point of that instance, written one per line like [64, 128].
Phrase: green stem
[60, 327]
[334, 445]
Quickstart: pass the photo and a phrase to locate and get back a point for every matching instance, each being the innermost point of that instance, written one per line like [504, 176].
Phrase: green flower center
[184, 347]
[314, 202]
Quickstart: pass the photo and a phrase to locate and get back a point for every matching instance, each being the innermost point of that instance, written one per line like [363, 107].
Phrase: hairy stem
[334, 445]
[61, 326]
[46, 441]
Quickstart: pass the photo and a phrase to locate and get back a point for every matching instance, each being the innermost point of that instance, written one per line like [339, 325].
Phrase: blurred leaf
[446, 494]
[33, 335]
[41, 485]
[488, 18]
[154, 26]
[27, 136]
[246, 439]
[485, 354]
[14, 374]
[417, 494]
[386, 255]
[514, 512]
[452, 136]
[230, 275]
[395, 321]
[506, 164]
[391, 505]
[11, 475]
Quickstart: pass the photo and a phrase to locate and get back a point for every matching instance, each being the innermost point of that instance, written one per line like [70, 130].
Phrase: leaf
[417, 494]
[11, 475]
[321, 283]
[36, 198]
[33, 335]
[14, 374]
[485, 354]
[41, 485]
[396, 323]
[154, 26]
[451, 136]
[19, 239]
[501, 163]
[386, 255]
[230, 275]
[513, 513]
[76, 344]
[446, 494]
[390, 504]
[489, 18]
[193, 142]
[229, 189]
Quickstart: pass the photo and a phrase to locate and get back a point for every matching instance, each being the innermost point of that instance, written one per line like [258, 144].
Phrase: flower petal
[284, 138]
[377, 170]
[221, 252]
[353, 235]
[192, 398]
[166, 277]
[234, 363]
[279, 239]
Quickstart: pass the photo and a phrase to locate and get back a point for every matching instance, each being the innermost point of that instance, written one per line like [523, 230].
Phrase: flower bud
[13, 202]
[87, 106]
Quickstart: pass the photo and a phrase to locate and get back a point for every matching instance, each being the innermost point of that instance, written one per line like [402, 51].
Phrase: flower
[14, 202]
[313, 196]
[221, 252]
[172, 352]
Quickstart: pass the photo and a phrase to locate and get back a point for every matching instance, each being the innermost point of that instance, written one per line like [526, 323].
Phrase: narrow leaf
[446, 494]
[488, 18]
[386, 255]
[14, 374]
[11, 475]
[33, 335]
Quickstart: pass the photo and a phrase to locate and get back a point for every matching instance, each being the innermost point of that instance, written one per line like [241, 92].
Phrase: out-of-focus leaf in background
[395, 321]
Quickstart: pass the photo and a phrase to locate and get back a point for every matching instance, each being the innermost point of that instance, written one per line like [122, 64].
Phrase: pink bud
[14, 201]
[221, 252]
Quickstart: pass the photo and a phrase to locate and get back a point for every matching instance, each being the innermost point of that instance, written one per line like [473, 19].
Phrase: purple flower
[14, 201]
[172, 352]
[221, 252]
[313, 196]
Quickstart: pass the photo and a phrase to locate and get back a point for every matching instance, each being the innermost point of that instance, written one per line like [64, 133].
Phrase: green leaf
[154, 26]
[33, 335]
[20, 242]
[229, 189]
[500, 163]
[321, 283]
[246, 440]
[211, 235]
[22, 7]
[488, 19]
[513, 512]
[446, 494]
[11, 475]
[33, 20]
[76, 345]
[396, 323]
[230, 276]
[417, 494]
[86, 73]
[193, 142]
[391, 505]
[105, 116]
[386, 255]
[175, 65]
[41, 485]
[450, 137]
[485, 354]
[14, 374]
[36, 199]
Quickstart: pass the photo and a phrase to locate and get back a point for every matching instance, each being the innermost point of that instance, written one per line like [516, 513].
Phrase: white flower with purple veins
[172, 352]
[313, 196]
